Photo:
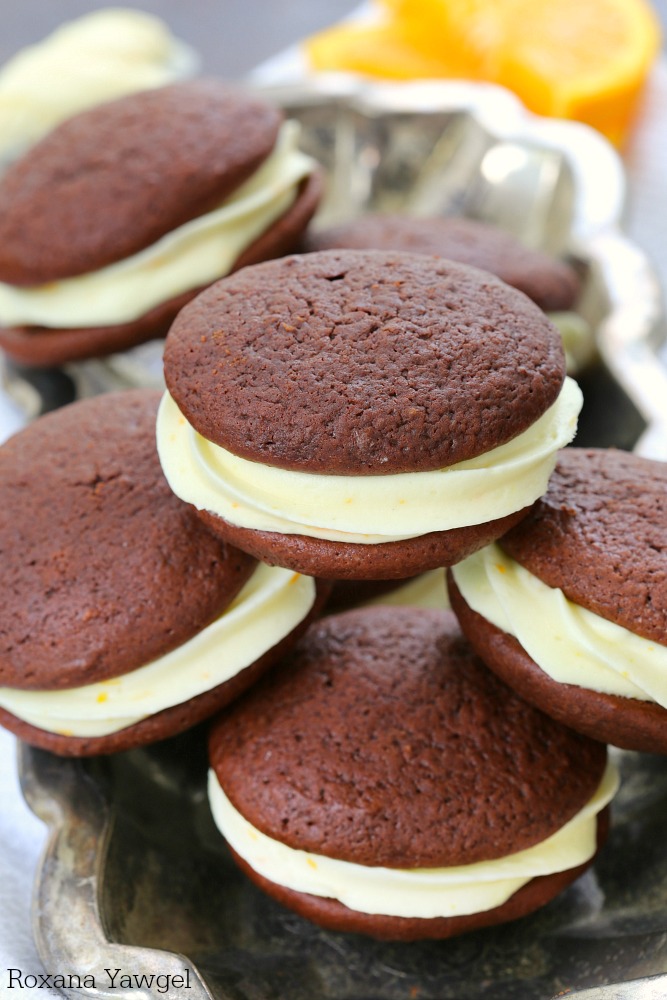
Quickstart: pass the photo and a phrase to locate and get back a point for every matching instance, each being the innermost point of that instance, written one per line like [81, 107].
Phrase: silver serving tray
[134, 875]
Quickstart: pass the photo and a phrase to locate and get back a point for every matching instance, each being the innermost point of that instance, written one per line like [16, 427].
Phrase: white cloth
[22, 838]
[21, 835]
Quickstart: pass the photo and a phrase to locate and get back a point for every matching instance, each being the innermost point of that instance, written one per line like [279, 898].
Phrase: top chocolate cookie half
[362, 362]
[96, 549]
[69, 206]
[599, 534]
[551, 283]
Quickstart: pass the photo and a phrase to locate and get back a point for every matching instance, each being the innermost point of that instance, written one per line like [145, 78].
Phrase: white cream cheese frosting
[569, 643]
[266, 609]
[424, 892]
[196, 253]
[428, 590]
[95, 58]
[364, 509]
[578, 339]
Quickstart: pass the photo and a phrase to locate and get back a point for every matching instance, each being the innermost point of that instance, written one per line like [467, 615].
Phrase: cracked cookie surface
[362, 362]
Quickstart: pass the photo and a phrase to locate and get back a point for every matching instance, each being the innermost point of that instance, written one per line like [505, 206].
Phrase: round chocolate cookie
[551, 283]
[382, 742]
[108, 577]
[583, 587]
[320, 380]
[112, 183]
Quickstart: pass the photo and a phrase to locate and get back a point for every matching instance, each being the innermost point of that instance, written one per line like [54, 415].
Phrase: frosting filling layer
[428, 590]
[570, 643]
[196, 253]
[423, 892]
[266, 609]
[365, 509]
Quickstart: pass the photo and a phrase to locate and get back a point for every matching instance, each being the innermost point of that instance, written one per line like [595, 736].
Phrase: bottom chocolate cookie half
[351, 561]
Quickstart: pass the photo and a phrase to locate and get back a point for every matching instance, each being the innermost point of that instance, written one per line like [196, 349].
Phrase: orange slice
[582, 59]
[469, 31]
[386, 49]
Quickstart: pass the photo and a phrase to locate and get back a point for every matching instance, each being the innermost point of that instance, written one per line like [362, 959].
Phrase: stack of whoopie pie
[376, 409]
[367, 415]
[125, 620]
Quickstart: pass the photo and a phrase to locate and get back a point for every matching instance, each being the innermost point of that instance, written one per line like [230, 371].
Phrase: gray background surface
[232, 35]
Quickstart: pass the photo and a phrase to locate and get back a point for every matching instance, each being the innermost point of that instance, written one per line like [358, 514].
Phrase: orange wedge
[469, 31]
[406, 41]
[581, 59]
[386, 49]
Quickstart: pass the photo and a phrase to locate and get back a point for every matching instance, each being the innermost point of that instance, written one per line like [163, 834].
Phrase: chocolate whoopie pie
[570, 607]
[399, 788]
[551, 283]
[124, 619]
[360, 414]
[123, 212]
